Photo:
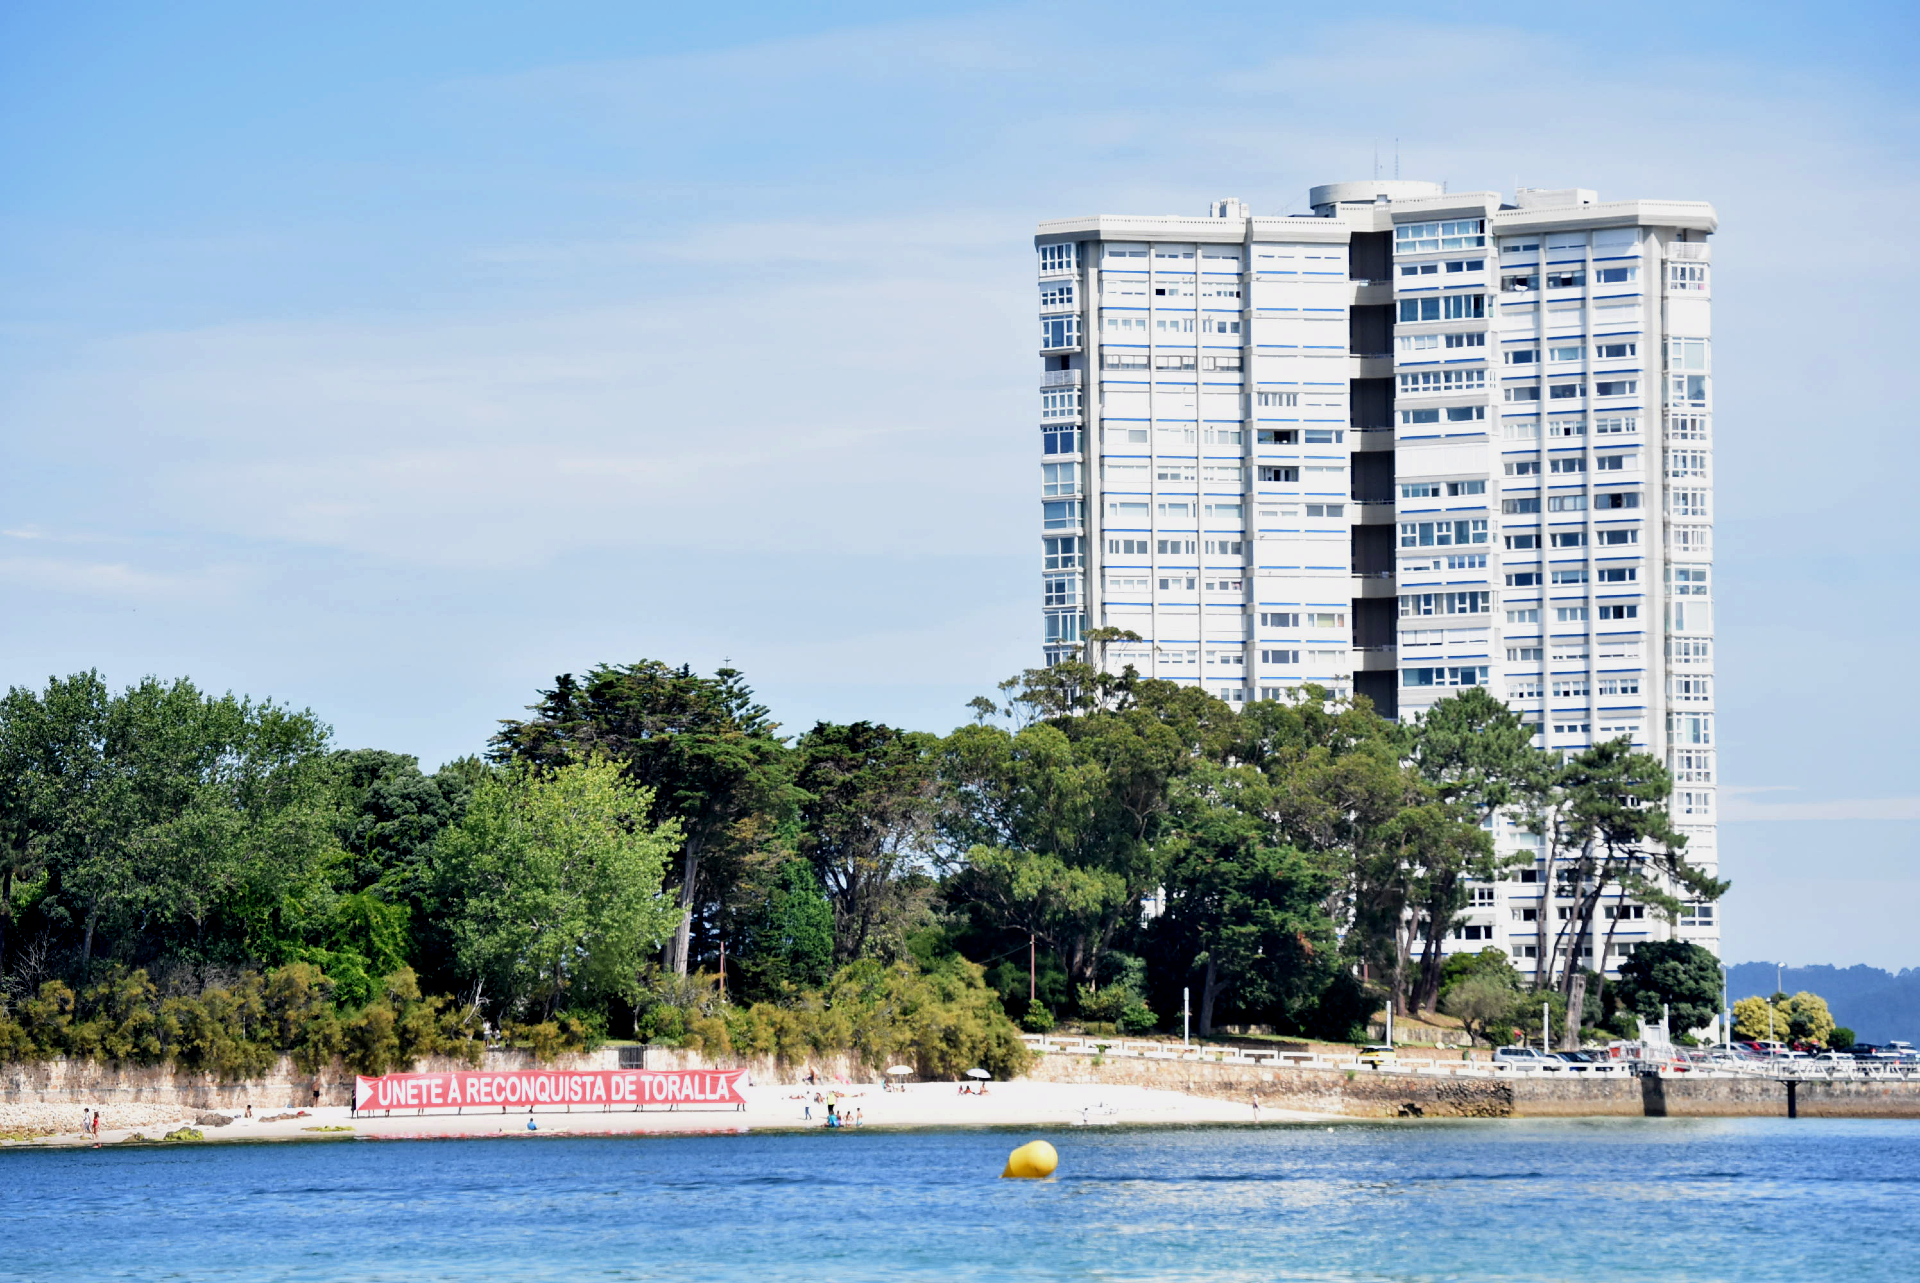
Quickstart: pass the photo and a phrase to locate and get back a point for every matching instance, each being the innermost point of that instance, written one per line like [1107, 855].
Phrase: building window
[1063, 626]
[1442, 534]
[1425, 238]
[1524, 392]
[1059, 478]
[1056, 294]
[1442, 381]
[1220, 363]
[1564, 503]
[1687, 277]
[1565, 391]
[1445, 603]
[1687, 389]
[1060, 441]
[1326, 510]
[1127, 547]
[1276, 400]
[1111, 359]
[1614, 351]
[1616, 387]
[1463, 676]
[1619, 612]
[1693, 766]
[1685, 502]
[1060, 514]
[1615, 275]
[1615, 425]
[1068, 552]
[1175, 361]
[1060, 590]
[1525, 615]
[1449, 307]
[1060, 258]
[1687, 581]
[1220, 325]
[1686, 427]
[1059, 331]
[1615, 502]
[1279, 656]
[1570, 614]
[1687, 354]
[1060, 403]
[1279, 619]
[1273, 475]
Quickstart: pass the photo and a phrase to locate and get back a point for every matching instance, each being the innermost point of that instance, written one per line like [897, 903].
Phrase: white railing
[1688, 251]
[1251, 1057]
[1060, 378]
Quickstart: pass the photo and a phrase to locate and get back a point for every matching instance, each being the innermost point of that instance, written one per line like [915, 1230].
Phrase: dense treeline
[204, 879]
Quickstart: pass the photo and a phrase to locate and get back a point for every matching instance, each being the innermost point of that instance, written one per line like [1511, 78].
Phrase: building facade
[1412, 442]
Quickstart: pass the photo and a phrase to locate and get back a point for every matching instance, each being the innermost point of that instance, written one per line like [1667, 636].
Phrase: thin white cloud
[101, 579]
[1740, 803]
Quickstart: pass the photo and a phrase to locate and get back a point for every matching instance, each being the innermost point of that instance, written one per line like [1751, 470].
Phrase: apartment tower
[1410, 442]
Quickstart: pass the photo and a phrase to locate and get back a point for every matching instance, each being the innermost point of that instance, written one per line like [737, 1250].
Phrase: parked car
[1376, 1055]
[1525, 1056]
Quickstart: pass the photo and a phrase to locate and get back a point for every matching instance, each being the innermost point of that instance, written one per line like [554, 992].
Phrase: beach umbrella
[978, 1073]
[898, 1070]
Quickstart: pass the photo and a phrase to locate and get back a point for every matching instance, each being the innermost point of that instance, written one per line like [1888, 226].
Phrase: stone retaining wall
[1371, 1094]
[46, 1097]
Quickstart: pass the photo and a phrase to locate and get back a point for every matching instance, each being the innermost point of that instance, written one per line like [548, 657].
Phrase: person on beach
[1256, 1107]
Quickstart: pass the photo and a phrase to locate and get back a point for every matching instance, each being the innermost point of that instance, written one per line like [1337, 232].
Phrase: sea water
[1655, 1199]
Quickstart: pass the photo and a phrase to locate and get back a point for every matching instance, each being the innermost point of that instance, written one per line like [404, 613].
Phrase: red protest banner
[607, 1088]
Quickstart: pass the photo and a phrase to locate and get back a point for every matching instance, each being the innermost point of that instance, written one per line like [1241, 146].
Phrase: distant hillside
[1877, 1005]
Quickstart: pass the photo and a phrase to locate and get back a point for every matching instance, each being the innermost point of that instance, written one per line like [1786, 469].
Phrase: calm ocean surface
[1657, 1199]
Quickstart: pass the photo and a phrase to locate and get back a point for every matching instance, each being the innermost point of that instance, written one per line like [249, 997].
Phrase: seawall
[1370, 1093]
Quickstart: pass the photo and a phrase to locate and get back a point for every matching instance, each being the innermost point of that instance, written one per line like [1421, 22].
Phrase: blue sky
[390, 360]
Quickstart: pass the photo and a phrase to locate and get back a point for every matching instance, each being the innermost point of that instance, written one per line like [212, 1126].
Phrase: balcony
[1375, 659]
[1060, 378]
[1688, 251]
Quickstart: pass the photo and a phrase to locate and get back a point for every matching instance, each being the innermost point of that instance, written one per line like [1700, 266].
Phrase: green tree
[702, 746]
[1758, 1020]
[1808, 1018]
[1050, 829]
[1841, 1039]
[170, 822]
[868, 800]
[1609, 834]
[1670, 974]
[1479, 758]
[1480, 1002]
[1249, 916]
[553, 881]
[788, 943]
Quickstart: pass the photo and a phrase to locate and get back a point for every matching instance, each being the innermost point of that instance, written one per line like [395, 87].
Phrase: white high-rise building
[1414, 441]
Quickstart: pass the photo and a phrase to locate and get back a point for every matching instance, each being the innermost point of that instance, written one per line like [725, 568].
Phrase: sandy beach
[784, 1108]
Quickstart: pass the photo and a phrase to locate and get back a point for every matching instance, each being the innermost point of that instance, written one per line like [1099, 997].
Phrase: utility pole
[1184, 993]
[1389, 1021]
[1033, 982]
[1546, 1022]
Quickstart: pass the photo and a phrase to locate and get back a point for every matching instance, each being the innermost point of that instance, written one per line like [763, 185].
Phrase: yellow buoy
[1033, 1161]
